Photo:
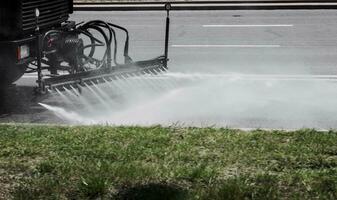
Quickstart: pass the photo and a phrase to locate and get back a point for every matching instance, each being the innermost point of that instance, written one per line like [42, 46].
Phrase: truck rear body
[17, 28]
[17, 18]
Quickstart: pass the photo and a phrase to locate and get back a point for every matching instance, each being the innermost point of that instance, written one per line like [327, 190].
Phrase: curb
[210, 5]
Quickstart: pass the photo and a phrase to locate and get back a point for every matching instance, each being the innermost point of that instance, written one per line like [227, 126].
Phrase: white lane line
[261, 4]
[264, 79]
[29, 75]
[223, 46]
[207, 75]
[281, 77]
[249, 77]
[245, 25]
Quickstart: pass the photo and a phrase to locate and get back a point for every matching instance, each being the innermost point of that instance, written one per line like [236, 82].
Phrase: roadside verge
[102, 162]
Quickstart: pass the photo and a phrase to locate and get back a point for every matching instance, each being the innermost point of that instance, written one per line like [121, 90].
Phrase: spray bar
[101, 75]
[79, 75]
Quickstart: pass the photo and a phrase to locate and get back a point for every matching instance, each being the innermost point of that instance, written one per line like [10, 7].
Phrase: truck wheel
[10, 74]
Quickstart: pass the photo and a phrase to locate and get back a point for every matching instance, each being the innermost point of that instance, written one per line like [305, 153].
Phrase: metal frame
[106, 73]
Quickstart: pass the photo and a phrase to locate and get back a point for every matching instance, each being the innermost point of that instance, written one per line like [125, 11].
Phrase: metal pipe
[38, 51]
[167, 33]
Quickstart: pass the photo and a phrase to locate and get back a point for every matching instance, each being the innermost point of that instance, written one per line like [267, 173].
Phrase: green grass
[97, 162]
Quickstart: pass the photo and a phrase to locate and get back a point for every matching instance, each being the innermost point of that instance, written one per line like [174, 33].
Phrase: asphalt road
[281, 67]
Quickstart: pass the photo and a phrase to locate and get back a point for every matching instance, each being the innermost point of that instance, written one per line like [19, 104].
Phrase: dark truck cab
[18, 32]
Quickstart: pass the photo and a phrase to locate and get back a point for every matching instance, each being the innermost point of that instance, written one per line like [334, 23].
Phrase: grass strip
[102, 162]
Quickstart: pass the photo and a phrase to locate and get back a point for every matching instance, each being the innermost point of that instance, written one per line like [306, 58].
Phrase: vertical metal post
[167, 34]
[38, 50]
[109, 59]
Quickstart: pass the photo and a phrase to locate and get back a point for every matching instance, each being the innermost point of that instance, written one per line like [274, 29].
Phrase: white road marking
[284, 79]
[29, 76]
[247, 77]
[177, 74]
[266, 79]
[261, 4]
[33, 75]
[25, 77]
[245, 25]
[223, 46]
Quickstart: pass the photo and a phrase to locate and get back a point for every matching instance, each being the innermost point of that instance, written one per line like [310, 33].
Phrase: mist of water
[192, 99]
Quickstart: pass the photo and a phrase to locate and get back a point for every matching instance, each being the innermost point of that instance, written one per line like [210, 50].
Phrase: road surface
[281, 64]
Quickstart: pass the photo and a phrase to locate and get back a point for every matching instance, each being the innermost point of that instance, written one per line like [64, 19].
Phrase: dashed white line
[245, 25]
[223, 46]
[250, 77]
[208, 75]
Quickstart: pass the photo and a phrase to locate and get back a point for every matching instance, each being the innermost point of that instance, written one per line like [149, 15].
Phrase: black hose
[126, 45]
[93, 41]
[112, 33]
[102, 27]
[109, 26]
[100, 30]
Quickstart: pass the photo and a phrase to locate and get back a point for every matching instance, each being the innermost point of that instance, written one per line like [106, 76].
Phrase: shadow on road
[18, 100]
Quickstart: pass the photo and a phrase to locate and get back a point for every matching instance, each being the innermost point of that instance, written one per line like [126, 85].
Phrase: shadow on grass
[152, 191]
